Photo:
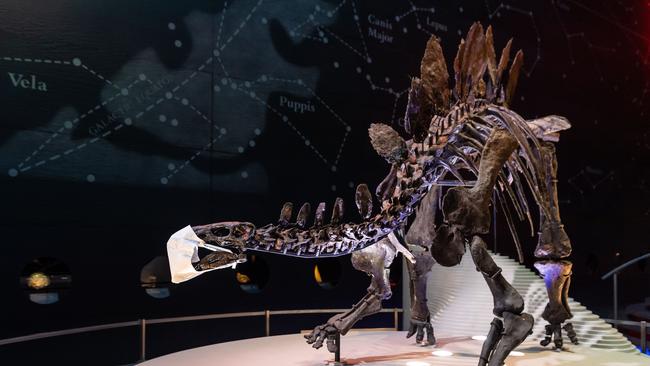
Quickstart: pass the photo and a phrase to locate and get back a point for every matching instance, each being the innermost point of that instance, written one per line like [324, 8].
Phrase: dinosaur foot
[554, 333]
[504, 337]
[324, 333]
[422, 328]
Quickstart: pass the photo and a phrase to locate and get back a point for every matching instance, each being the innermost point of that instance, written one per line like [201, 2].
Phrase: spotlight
[44, 278]
[38, 280]
[327, 273]
[253, 274]
[517, 354]
[442, 353]
[479, 338]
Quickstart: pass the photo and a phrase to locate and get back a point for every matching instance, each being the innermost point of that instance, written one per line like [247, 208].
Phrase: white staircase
[461, 305]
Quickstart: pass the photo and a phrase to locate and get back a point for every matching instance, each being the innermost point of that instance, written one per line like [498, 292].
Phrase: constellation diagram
[221, 81]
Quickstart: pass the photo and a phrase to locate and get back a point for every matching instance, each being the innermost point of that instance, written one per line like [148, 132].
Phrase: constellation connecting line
[311, 19]
[317, 9]
[128, 121]
[68, 125]
[175, 170]
[74, 62]
[415, 10]
[241, 25]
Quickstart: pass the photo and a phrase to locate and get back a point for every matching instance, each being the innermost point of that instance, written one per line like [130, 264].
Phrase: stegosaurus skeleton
[467, 133]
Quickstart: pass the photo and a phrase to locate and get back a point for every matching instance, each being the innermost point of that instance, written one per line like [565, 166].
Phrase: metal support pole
[267, 320]
[396, 319]
[644, 338]
[337, 354]
[143, 339]
[615, 296]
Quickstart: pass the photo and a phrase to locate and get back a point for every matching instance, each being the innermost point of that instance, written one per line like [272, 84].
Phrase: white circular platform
[384, 349]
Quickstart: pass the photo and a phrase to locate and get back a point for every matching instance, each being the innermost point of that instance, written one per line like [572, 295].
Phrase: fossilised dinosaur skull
[227, 240]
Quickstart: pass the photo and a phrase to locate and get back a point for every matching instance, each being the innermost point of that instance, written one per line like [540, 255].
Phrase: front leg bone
[557, 277]
[420, 316]
[553, 242]
[342, 323]
[373, 260]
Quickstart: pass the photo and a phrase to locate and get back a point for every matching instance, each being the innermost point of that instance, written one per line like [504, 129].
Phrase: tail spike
[337, 211]
[319, 219]
[303, 214]
[363, 199]
[285, 214]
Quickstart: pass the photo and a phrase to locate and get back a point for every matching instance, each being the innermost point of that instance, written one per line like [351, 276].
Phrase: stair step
[461, 304]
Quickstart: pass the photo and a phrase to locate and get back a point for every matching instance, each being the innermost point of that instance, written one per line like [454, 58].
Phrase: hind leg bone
[508, 304]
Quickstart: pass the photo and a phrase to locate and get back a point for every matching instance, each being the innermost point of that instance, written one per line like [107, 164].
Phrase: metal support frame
[644, 337]
[614, 274]
[143, 339]
[267, 322]
[396, 318]
[337, 354]
[615, 293]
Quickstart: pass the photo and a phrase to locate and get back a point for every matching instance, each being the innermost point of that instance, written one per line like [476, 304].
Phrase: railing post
[396, 318]
[615, 279]
[644, 339]
[143, 339]
[267, 322]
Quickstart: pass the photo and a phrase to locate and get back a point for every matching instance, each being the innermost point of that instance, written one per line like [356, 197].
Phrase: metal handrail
[625, 265]
[57, 333]
[614, 274]
[142, 323]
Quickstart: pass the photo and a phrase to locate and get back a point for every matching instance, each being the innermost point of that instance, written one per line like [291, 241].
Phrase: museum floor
[386, 348]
